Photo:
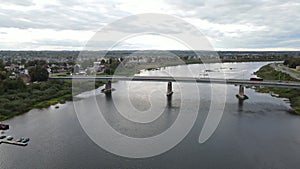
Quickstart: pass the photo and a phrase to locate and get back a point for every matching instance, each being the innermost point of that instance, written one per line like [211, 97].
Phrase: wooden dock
[12, 142]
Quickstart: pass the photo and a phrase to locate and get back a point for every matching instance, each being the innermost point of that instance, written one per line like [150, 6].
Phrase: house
[25, 77]
[298, 68]
[12, 76]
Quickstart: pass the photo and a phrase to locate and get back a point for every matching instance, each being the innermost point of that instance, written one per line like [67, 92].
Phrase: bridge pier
[169, 89]
[241, 94]
[242, 90]
[108, 88]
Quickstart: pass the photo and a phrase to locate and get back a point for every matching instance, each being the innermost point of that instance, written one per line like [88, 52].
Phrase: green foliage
[292, 62]
[36, 63]
[109, 71]
[19, 98]
[268, 73]
[38, 73]
[1, 64]
[12, 85]
[113, 65]
[2, 74]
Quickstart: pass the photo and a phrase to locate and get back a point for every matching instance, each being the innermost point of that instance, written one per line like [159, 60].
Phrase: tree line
[292, 62]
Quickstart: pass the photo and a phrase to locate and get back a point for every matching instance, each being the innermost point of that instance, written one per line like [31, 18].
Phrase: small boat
[274, 94]
[208, 70]
[56, 107]
[4, 126]
[20, 139]
[9, 138]
[25, 140]
[2, 137]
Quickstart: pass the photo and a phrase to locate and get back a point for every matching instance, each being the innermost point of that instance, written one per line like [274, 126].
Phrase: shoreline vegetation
[38, 95]
[269, 73]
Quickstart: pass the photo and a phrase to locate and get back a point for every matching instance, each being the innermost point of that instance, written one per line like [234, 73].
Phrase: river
[258, 133]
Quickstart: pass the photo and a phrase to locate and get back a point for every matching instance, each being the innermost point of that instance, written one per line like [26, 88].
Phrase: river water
[258, 133]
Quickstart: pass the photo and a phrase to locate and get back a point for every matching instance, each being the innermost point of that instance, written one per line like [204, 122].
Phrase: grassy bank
[268, 73]
[47, 103]
[38, 95]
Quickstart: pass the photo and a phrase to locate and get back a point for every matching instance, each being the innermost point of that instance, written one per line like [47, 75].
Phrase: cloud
[17, 2]
[229, 24]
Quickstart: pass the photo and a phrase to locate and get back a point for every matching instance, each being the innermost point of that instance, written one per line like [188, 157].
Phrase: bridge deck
[269, 83]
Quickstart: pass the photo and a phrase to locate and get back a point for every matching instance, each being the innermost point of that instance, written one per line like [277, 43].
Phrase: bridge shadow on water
[135, 129]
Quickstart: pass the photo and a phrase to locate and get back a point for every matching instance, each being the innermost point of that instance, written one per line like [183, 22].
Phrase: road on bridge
[268, 83]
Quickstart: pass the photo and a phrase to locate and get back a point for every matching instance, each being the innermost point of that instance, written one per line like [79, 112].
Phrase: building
[25, 77]
[298, 68]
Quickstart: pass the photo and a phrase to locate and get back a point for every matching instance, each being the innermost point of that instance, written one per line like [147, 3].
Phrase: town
[24, 64]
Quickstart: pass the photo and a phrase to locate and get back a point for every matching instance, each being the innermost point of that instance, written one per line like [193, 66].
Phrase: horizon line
[66, 50]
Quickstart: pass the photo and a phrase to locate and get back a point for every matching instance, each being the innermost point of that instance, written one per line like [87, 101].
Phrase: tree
[17, 84]
[38, 73]
[23, 61]
[109, 71]
[102, 62]
[2, 75]
[36, 63]
[1, 64]
[292, 62]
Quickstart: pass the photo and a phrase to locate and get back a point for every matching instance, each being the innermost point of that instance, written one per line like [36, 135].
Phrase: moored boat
[4, 126]
[20, 139]
[9, 138]
[25, 140]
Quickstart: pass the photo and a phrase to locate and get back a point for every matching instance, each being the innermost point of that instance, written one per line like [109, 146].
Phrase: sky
[227, 25]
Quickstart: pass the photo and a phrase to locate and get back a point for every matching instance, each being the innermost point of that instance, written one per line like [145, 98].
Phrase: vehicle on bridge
[256, 78]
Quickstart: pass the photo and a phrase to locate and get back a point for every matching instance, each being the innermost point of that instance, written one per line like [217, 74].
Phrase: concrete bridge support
[241, 94]
[242, 90]
[108, 88]
[169, 89]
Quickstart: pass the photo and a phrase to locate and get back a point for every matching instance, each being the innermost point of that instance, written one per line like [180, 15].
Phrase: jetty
[12, 142]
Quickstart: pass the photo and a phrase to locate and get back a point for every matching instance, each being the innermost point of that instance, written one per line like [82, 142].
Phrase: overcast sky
[228, 24]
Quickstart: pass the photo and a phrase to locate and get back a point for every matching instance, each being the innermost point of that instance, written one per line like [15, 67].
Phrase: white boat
[274, 94]
[9, 138]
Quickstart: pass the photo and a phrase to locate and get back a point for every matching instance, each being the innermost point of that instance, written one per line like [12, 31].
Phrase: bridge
[169, 79]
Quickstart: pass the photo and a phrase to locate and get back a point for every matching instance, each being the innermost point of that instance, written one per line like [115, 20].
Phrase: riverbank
[37, 95]
[269, 73]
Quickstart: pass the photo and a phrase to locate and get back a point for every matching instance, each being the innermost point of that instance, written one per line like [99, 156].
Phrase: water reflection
[240, 105]
[135, 129]
[169, 101]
